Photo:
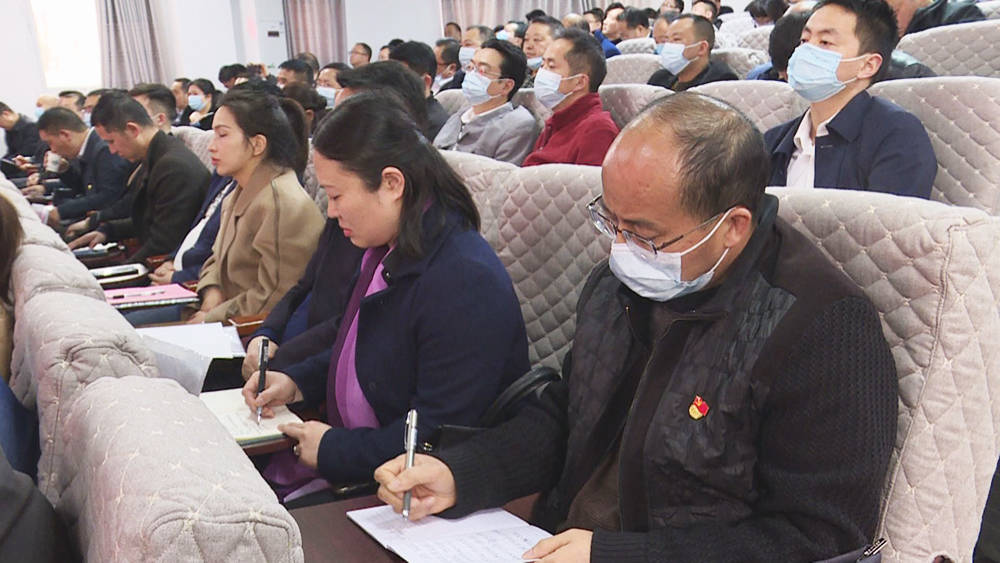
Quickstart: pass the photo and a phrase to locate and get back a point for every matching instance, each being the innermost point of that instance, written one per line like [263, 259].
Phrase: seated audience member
[383, 52]
[93, 175]
[492, 127]
[20, 137]
[634, 23]
[472, 39]
[294, 71]
[310, 100]
[453, 31]
[203, 100]
[92, 98]
[706, 9]
[575, 20]
[231, 75]
[179, 88]
[172, 187]
[361, 54]
[848, 138]
[514, 31]
[158, 101]
[539, 36]
[310, 59]
[326, 82]
[918, 15]
[699, 440]
[536, 13]
[612, 26]
[672, 8]
[395, 77]
[785, 37]
[73, 100]
[44, 103]
[756, 9]
[429, 288]
[449, 73]
[419, 58]
[269, 226]
[685, 57]
[595, 19]
[579, 131]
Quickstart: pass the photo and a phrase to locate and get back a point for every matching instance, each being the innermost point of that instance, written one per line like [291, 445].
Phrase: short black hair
[78, 98]
[485, 33]
[366, 47]
[723, 161]
[715, 10]
[280, 120]
[722, 9]
[59, 118]
[101, 91]
[392, 76]
[875, 27]
[449, 51]
[416, 55]
[614, 6]
[116, 110]
[453, 24]
[585, 56]
[4, 107]
[206, 86]
[536, 13]
[514, 64]
[310, 59]
[299, 67]
[576, 20]
[555, 26]
[775, 9]
[393, 43]
[596, 12]
[785, 37]
[755, 8]
[336, 66]
[634, 17]
[185, 82]
[229, 72]
[159, 96]
[704, 30]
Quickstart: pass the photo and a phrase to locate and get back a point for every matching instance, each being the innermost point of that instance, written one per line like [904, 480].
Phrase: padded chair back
[485, 179]
[452, 100]
[933, 272]
[625, 101]
[724, 40]
[631, 69]
[990, 9]
[740, 59]
[768, 103]
[197, 140]
[637, 46]
[756, 38]
[967, 49]
[962, 118]
[736, 23]
[526, 97]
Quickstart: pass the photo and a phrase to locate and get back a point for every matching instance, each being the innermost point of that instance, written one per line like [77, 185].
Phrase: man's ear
[870, 66]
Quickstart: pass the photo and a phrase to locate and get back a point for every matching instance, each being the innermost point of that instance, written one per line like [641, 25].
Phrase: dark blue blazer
[446, 338]
[609, 48]
[202, 249]
[97, 180]
[872, 145]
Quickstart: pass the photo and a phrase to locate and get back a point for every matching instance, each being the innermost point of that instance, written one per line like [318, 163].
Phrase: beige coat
[268, 232]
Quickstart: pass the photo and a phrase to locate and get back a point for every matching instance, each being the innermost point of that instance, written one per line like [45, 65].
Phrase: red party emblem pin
[698, 408]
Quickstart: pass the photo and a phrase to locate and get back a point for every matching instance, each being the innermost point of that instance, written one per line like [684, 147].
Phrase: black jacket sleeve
[30, 530]
[102, 184]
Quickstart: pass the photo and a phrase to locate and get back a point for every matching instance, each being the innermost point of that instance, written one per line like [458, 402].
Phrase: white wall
[376, 22]
[23, 78]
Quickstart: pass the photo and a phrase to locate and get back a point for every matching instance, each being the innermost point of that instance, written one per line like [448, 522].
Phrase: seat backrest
[197, 140]
[625, 101]
[933, 272]
[966, 49]
[725, 40]
[637, 46]
[767, 102]
[452, 100]
[631, 69]
[756, 38]
[962, 118]
[990, 9]
[740, 59]
[485, 179]
[526, 97]
[736, 23]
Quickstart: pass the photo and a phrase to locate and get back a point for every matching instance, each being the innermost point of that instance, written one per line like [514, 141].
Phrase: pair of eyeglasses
[482, 69]
[642, 246]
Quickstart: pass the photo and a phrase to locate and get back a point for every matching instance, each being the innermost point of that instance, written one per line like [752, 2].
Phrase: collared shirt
[86, 141]
[470, 114]
[436, 87]
[802, 166]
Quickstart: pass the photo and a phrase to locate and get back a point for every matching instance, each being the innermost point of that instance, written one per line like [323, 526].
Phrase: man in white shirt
[492, 127]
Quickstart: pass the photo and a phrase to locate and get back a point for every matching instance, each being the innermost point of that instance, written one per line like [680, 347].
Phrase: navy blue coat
[202, 249]
[872, 145]
[97, 179]
[446, 338]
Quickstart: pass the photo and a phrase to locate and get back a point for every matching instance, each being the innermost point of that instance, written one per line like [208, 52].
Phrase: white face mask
[672, 57]
[660, 279]
[330, 94]
[547, 88]
[465, 55]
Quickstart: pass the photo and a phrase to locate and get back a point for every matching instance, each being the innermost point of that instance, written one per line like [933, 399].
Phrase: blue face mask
[465, 55]
[196, 102]
[659, 48]
[474, 88]
[502, 35]
[534, 63]
[812, 72]
[330, 94]
[38, 112]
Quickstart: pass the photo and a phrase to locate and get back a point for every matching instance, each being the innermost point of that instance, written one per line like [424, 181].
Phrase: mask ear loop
[710, 234]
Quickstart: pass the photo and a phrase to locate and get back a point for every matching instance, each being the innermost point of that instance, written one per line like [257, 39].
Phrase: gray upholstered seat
[756, 38]
[631, 69]
[768, 103]
[967, 49]
[625, 101]
[452, 100]
[637, 46]
[740, 59]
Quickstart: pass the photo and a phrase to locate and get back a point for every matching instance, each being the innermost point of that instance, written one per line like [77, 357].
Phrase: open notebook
[487, 536]
[228, 406]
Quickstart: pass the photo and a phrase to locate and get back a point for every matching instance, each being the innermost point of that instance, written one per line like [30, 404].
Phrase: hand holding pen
[262, 373]
[410, 442]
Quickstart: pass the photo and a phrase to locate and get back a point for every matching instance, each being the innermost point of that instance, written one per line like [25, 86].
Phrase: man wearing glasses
[729, 396]
[492, 127]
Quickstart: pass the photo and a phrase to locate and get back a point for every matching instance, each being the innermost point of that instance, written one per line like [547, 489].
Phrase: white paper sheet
[184, 366]
[232, 411]
[210, 339]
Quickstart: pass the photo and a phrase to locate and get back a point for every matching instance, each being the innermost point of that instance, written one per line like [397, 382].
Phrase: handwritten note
[231, 410]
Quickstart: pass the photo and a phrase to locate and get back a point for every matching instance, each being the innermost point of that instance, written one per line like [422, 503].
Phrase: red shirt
[578, 134]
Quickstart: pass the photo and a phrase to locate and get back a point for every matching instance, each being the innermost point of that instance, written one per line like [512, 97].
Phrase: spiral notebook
[152, 296]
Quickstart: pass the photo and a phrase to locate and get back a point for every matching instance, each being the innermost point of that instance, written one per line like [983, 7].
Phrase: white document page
[488, 535]
[209, 339]
[232, 411]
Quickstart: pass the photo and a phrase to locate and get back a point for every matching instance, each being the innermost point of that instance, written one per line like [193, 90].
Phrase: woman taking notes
[432, 322]
[269, 225]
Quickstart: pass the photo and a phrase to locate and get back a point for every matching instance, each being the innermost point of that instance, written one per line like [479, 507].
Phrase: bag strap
[533, 381]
